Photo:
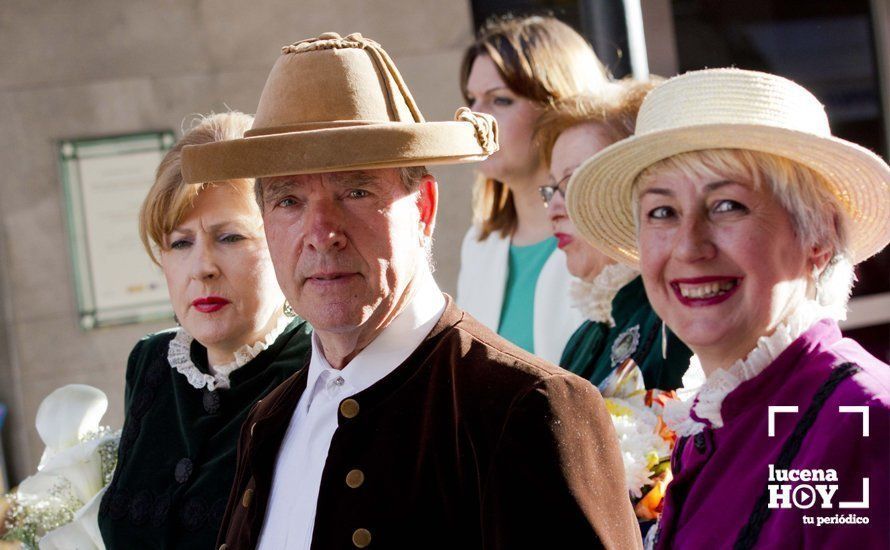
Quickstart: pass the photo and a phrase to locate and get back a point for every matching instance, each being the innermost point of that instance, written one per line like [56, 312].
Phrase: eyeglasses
[548, 191]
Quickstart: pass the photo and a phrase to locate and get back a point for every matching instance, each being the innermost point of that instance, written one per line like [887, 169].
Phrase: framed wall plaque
[105, 181]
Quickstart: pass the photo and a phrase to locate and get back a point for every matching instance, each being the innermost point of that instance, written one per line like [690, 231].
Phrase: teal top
[518, 311]
[594, 350]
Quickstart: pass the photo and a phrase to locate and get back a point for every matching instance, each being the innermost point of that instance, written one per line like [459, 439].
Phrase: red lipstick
[708, 291]
[210, 304]
[563, 240]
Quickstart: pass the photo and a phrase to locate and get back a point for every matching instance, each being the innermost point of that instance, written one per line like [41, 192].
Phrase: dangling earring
[817, 285]
[664, 341]
[176, 320]
[287, 310]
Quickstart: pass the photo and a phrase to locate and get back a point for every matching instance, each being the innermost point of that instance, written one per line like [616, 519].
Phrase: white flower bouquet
[645, 440]
[57, 508]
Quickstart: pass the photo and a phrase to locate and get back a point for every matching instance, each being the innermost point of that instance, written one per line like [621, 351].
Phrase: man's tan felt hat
[336, 103]
[729, 109]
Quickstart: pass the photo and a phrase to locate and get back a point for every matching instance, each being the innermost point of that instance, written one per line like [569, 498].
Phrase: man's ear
[428, 203]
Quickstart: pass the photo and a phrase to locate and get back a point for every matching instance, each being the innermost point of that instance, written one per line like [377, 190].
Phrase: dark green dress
[594, 350]
[176, 461]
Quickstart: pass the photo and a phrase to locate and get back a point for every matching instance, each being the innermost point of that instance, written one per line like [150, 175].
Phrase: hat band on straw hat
[731, 96]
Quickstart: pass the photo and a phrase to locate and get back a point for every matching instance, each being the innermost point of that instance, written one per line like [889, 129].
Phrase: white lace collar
[708, 401]
[179, 357]
[594, 299]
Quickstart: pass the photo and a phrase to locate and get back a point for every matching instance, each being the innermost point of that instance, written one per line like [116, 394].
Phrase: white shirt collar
[290, 516]
[392, 346]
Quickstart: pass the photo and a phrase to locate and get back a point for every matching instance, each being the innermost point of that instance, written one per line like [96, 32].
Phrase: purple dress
[721, 475]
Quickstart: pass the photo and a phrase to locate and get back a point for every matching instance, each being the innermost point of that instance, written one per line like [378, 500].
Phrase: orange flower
[649, 507]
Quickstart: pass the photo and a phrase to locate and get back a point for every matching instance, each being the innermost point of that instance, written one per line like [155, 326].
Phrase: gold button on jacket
[361, 538]
[355, 478]
[430, 459]
[349, 408]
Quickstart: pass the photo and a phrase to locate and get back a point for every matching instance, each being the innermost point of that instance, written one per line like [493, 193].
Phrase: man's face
[347, 245]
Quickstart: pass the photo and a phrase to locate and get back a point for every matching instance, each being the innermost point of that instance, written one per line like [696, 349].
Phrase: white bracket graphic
[857, 409]
[773, 409]
[863, 503]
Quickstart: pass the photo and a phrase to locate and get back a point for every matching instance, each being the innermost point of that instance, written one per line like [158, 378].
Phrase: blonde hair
[169, 198]
[539, 58]
[817, 218]
[615, 111]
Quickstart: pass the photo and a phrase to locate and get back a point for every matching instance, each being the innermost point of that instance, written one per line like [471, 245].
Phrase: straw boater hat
[729, 109]
[336, 103]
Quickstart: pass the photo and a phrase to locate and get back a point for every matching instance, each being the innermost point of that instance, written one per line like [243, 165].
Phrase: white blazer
[483, 280]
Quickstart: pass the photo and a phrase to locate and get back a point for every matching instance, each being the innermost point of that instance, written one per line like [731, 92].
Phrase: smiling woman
[770, 235]
[189, 389]
[746, 216]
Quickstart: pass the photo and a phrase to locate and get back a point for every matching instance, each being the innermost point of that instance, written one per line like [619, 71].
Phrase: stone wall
[105, 67]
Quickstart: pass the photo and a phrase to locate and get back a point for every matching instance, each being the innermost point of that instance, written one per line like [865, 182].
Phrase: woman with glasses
[620, 327]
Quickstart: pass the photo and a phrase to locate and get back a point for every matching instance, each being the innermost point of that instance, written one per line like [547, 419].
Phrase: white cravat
[290, 515]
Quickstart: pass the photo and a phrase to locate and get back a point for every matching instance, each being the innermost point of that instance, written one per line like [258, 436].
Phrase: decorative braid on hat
[486, 128]
[332, 40]
[329, 41]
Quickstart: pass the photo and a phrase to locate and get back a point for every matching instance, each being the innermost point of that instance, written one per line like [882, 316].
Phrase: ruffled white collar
[179, 357]
[594, 299]
[693, 415]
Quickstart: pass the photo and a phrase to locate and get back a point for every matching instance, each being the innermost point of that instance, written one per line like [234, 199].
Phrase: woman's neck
[532, 221]
[219, 355]
[600, 262]
[223, 353]
[797, 315]
[714, 360]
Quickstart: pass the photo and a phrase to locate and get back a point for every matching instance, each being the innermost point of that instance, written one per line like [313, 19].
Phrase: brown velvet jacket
[470, 443]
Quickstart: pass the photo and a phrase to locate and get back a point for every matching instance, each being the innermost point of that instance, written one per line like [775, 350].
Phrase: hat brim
[384, 145]
[600, 193]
